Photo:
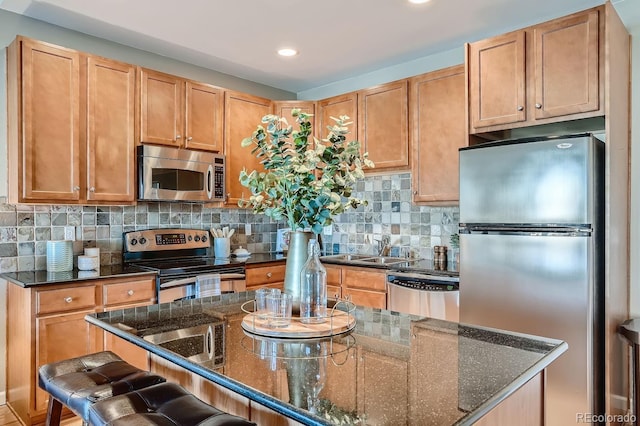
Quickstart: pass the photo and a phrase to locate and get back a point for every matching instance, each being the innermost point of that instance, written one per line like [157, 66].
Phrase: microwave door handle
[210, 182]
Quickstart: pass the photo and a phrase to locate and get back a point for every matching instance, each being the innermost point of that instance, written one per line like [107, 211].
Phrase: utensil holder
[221, 247]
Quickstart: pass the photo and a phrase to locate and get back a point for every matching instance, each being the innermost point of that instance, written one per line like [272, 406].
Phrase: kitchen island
[390, 368]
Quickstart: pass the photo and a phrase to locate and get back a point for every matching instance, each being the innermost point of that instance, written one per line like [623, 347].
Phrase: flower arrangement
[304, 182]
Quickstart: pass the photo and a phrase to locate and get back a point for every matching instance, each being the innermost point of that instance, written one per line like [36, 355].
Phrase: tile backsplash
[24, 229]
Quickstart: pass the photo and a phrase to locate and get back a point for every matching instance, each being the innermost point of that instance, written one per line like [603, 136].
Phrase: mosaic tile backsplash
[25, 229]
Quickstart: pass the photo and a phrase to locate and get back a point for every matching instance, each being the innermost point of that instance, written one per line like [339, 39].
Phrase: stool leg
[54, 411]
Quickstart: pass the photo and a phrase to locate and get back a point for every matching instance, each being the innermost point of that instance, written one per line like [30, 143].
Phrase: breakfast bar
[391, 368]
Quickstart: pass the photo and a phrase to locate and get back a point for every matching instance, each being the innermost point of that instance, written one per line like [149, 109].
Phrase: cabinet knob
[92, 189]
[415, 192]
[269, 274]
[189, 138]
[538, 106]
[68, 299]
[520, 108]
[76, 188]
[178, 137]
[130, 292]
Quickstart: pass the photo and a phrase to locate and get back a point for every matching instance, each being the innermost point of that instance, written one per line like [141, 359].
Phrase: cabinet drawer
[366, 278]
[129, 292]
[65, 299]
[334, 292]
[265, 275]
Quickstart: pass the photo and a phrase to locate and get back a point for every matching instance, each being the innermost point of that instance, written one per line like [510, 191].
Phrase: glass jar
[313, 287]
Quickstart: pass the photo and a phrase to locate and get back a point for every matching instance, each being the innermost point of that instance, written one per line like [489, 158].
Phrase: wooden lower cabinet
[269, 275]
[46, 324]
[61, 337]
[363, 286]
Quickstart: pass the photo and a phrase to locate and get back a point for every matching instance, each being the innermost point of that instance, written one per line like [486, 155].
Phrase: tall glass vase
[296, 257]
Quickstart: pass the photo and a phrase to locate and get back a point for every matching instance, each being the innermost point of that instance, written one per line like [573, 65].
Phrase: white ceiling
[337, 39]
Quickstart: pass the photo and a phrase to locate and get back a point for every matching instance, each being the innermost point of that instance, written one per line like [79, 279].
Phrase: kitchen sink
[385, 260]
[346, 257]
[365, 259]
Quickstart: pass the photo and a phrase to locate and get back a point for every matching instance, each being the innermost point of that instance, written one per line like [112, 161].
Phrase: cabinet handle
[130, 292]
[189, 138]
[269, 274]
[92, 189]
[538, 106]
[520, 108]
[68, 299]
[76, 188]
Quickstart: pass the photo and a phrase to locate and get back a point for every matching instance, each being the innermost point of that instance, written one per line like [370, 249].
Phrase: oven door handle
[178, 283]
[232, 276]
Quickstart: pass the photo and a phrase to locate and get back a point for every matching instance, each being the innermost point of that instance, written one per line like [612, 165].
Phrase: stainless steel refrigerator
[532, 255]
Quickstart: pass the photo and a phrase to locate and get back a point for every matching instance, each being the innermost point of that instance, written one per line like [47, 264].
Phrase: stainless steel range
[181, 259]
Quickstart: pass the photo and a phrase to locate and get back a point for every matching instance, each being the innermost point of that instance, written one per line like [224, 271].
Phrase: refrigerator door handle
[569, 230]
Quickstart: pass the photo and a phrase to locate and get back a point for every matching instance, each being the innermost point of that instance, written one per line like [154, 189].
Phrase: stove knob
[204, 238]
[143, 240]
[134, 241]
[196, 238]
[190, 238]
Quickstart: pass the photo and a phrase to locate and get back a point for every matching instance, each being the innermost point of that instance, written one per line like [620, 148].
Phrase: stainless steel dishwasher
[423, 293]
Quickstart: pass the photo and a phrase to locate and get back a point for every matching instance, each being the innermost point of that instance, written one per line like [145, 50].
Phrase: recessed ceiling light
[418, 1]
[287, 52]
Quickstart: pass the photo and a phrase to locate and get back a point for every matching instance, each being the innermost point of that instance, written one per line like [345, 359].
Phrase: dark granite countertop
[390, 369]
[40, 278]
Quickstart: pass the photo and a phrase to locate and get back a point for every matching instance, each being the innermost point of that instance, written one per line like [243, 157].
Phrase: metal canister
[440, 257]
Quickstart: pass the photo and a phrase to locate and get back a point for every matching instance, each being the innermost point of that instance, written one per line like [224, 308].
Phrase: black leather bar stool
[163, 404]
[79, 382]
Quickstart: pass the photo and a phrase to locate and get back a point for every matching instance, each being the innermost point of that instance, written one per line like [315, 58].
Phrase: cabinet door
[133, 354]
[203, 117]
[50, 123]
[110, 131]
[284, 108]
[497, 80]
[383, 125]
[161, 118]
[566, 66]
[336, 106]
[242, 114]
[437, 122]
[62, 337]
[372, 299]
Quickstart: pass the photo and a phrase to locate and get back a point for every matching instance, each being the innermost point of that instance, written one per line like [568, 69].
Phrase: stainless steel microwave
[172, 174]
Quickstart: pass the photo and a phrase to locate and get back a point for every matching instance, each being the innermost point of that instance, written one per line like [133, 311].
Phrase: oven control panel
[166, 239]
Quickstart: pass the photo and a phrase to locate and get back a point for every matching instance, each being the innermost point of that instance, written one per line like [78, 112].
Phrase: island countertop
[390, 369]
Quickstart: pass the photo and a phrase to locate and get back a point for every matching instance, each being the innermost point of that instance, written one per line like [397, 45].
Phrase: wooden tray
[339, 322]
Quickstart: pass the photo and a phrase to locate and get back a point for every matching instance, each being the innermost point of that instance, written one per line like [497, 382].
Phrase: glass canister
[313, 287]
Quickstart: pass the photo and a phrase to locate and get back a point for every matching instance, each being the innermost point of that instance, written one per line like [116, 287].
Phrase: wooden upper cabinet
[284, 108]
[542, 74]
[204, 115]
[71, 120]
[44, 122]
[242, 114]
[161, 118]
[180, 113]
[497, 80]
[346, 104]
[383, 125]
[566, 66]
[110, 130]
[438, 129]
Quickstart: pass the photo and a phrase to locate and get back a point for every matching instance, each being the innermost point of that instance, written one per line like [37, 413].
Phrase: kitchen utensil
[231, 232]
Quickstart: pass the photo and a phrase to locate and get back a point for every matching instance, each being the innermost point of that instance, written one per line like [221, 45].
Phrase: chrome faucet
[383, 245]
